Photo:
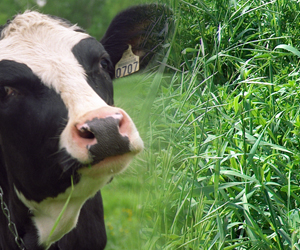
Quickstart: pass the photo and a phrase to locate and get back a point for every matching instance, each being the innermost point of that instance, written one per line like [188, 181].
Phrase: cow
[61, 137]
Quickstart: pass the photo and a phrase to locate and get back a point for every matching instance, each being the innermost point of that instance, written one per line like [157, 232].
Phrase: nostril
[120, 121]
[118, 117]
[85, 133]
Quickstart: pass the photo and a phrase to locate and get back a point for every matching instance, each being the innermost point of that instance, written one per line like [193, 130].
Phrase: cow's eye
[104, 63]
[7, 91]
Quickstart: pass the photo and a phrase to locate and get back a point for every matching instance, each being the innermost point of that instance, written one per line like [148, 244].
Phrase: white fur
[45, 45]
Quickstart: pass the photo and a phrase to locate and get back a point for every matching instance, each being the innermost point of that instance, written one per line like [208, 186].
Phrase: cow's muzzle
[106, 132]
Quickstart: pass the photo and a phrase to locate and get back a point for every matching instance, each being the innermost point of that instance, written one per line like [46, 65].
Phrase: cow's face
[56, 118]
[56, 89]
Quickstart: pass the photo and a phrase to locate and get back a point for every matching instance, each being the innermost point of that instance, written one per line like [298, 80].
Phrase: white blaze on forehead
[45, 45]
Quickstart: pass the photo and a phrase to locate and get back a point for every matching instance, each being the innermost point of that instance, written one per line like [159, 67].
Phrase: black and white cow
[61, 138]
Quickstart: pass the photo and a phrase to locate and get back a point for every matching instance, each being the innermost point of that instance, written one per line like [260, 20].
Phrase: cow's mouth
[107, 168]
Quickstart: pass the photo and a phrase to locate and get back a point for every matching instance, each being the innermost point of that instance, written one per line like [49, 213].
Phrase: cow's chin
[108, 167]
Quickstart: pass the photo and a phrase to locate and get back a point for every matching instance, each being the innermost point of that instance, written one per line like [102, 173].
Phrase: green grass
[221, 164]
[122, 211]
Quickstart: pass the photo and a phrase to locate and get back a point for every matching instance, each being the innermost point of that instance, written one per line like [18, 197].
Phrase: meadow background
[220, 119]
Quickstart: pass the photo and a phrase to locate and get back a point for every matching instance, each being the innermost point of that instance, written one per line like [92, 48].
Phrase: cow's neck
[45, 214]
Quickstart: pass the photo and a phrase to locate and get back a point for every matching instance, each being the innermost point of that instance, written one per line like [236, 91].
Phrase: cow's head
[60, 135]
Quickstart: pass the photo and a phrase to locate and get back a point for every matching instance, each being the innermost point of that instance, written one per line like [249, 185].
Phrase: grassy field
[221, 165]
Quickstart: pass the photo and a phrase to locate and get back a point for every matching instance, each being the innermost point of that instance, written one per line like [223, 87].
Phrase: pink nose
[104, 132]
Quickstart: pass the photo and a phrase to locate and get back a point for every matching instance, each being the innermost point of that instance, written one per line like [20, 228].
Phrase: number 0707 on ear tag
[128, 64]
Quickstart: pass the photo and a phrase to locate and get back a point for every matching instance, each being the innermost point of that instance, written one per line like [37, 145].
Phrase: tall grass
[222, 146]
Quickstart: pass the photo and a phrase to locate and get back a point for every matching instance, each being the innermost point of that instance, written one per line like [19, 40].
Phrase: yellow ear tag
[128, 64]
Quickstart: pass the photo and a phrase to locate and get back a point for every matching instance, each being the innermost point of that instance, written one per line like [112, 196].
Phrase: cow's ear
[144, 27]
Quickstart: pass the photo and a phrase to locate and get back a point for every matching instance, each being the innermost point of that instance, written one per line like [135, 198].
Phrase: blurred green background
[94, 15]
